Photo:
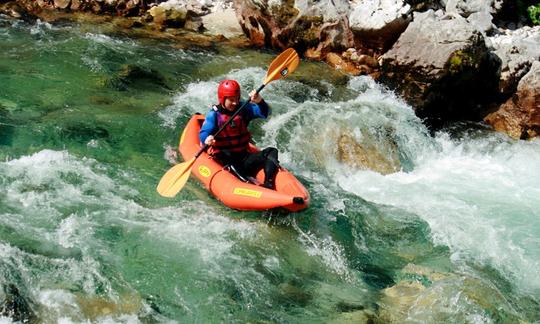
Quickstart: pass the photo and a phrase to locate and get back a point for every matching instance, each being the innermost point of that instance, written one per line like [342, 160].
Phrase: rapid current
[404, 226]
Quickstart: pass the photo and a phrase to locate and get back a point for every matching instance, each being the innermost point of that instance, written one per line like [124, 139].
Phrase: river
[404, 226]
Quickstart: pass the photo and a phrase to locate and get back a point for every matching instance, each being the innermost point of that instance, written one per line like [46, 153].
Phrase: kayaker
[230, 147]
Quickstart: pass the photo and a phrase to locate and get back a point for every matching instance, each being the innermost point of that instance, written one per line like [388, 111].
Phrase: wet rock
[397, 300]
[364, 156]
[94, 308]
[344, 306]
[422, 274]
[337, 62]
[353, 62]
[178, 13]
[426, 295]
[174, 17]
[194, 24]
[519, 117]
[436, 58]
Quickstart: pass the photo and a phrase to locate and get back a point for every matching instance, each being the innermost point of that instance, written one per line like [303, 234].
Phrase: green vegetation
[534, 13]
[458, 60]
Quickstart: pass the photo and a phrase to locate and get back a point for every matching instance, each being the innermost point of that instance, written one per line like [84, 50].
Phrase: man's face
[231, 103]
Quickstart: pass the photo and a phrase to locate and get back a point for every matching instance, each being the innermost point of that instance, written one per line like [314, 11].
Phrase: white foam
[208, 234]
[483, 205]
[198, 97]
[330, 253]
[103, 39]
[40, 27]
[201, 95]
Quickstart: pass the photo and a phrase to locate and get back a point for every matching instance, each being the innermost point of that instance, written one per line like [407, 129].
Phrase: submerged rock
[134, 76]
[84, 132]
[357, 317]
[366, 156]
[291, 294]
[429, 296]
[94, 308]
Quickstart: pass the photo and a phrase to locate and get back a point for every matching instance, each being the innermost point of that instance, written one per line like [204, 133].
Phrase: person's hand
[255, 97]
[209, 140]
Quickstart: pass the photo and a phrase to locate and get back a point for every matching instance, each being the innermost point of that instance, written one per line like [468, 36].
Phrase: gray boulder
[376, 24]
[468, 7]
[517, 50]
[443, 68]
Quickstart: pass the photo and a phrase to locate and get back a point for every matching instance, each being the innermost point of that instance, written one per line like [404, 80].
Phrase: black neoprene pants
[250, 163]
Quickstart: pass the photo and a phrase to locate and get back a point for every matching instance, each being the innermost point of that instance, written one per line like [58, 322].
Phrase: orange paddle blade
[175, 179]
[282, 65]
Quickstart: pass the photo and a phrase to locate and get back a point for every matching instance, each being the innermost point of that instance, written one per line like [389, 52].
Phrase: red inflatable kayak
[231, 190]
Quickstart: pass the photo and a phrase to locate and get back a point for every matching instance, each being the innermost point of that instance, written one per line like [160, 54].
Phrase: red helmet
[227, 88]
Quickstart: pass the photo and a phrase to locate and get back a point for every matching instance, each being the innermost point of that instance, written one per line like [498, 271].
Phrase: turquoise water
[403, 227]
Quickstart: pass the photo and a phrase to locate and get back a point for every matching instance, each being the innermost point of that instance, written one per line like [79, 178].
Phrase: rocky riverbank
[452, 60]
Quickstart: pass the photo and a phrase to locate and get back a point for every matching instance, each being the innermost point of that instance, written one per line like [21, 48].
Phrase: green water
[86, 118]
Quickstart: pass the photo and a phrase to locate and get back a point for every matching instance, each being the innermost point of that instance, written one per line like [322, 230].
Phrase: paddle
[174, 180]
